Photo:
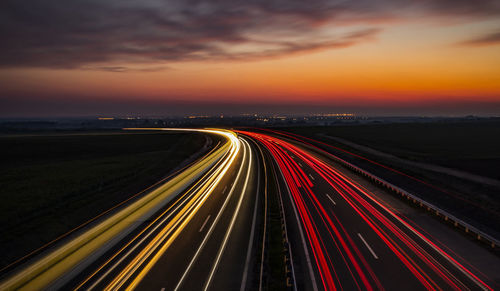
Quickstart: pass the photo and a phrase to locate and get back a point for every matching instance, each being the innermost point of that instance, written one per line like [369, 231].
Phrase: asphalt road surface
[207, 228]
[343, 238]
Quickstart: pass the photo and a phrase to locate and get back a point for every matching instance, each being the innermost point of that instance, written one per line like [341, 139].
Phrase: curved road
[208, 229]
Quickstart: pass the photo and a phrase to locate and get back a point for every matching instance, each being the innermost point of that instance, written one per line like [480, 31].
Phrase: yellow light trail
[43, 272]
[211, 228]
[231, 225]
[158, 245]
[158, 221]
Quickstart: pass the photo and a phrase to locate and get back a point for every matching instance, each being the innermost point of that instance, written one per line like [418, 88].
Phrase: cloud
[109, 35]
[122, 69]
[488, 39]
[462, 8]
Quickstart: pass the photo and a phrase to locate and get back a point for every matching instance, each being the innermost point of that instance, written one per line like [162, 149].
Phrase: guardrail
[290, 276]
[287, 252]
[466, 227]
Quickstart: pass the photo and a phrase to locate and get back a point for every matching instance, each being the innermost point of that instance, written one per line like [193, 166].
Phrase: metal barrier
[466, 227]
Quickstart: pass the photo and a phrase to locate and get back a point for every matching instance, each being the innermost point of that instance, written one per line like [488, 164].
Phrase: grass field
[52, 183]
[469, 146]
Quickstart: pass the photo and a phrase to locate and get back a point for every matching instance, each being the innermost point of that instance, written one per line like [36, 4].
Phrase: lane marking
[311, 176]
[331, 199]
[261, 273]
[166, 237]
[204, 223]
[212, 225]
[233, 219]
[461, 268]
[193, 189]
[300, 164]
[368, 246]
[252, 232]
[224, 191]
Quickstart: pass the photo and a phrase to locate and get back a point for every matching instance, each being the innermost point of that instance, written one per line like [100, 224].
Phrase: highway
[207, 229]
[190, 233]
[196, 243]
[343, 238]
[431, 190]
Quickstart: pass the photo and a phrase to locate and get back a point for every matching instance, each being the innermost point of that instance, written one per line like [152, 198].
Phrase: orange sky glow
[404, 62]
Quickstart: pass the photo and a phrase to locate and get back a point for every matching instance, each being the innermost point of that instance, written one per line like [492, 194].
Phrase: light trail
[302, 237]
[155, 249]
[212, 227]
[411, 247]
[309, 141]
[144, 234]
[79, 251]
[403, 236]
[330, 229]
[252, 234]
[51, 243]
[231, 225]
[264, 231]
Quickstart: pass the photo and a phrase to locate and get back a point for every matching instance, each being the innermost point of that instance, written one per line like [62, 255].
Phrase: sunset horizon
[395, 57]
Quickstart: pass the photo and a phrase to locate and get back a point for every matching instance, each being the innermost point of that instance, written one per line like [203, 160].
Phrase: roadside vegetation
[51, 183]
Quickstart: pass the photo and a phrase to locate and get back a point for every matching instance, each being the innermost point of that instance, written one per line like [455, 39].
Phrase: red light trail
[339, 262]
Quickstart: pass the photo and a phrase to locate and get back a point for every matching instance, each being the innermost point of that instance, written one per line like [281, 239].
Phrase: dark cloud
[463, 8]
[90, 33]
[122, 69]
[488, 39]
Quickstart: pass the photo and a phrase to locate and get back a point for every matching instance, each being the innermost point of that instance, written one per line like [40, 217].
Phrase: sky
[155, 57]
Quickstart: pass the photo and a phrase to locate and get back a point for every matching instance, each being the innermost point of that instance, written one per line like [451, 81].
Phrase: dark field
[469, 146]
[52, 183]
